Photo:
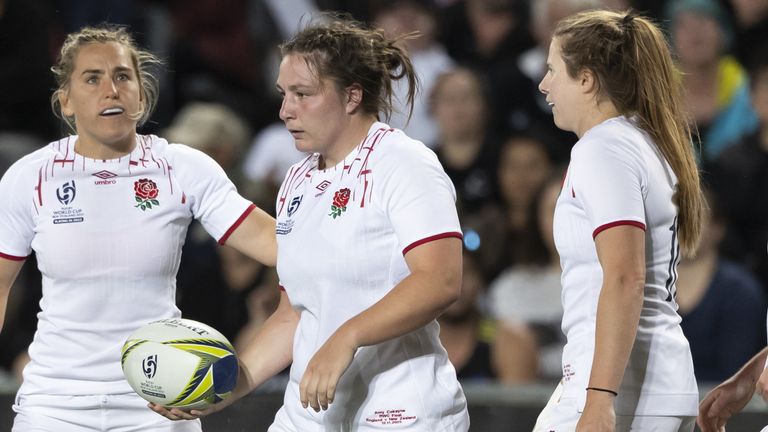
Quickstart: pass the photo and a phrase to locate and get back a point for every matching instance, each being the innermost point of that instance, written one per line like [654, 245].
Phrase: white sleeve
[214, 199]
[416, 194]
[16, 220]
[608, 179]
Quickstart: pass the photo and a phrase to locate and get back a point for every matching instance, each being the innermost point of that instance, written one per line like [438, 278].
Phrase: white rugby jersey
[617, 176]
[108, 237]
[342, 235]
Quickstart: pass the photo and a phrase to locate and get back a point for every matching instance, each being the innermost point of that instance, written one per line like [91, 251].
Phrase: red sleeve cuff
[237, 223]
[12, 257]
[431, 239]
[604, 227]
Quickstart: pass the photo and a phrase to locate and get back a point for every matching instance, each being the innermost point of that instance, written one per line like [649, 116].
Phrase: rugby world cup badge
[294, 205]
[66, 194]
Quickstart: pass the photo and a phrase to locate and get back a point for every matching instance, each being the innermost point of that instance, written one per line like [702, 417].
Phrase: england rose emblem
[146, 192]
[340, 200]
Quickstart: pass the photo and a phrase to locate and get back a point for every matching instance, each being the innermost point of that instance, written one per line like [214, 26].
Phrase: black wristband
[603, 390]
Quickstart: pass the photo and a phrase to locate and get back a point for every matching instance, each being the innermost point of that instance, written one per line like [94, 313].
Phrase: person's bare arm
[270, 351]
[9, 270]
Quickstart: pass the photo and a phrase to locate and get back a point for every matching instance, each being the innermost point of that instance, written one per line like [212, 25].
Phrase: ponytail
[634, 69]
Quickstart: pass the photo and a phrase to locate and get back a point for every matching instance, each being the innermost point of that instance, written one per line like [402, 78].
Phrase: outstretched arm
[730, 397]
[270, 351]
[434, 283]
[256, 238]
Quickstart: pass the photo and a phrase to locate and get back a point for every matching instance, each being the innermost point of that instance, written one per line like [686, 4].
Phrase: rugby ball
[180, 363]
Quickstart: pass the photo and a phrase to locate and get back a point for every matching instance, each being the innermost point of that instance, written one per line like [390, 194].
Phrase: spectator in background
[716, 85]
[751, 28]
[524, 105]
[467, 147]
[525, 302]
[485, 31]
[465, 331]
[722, 305]
[216, 56]
[214, 282]
[488, 35]
[524, 165]
[400, 17]
[506, 232]
[740, 179]
[214, 129]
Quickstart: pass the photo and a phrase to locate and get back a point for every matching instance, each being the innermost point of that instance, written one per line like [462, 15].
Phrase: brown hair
[347, 53]
[143, 61]
[633, 68]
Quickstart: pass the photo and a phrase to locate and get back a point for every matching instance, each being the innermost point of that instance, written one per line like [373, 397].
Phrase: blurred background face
[697, 39]
[760, 95]
[211, 128]
[458, 105]
[547, 13]
[404, 17]
[523, 167]
[749, 12]
[712, 233]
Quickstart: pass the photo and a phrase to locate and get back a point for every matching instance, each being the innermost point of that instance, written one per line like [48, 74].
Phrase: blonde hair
[633, 68]
[143, 61]
[347, 53]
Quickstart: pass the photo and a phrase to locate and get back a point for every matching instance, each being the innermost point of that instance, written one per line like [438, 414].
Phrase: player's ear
[63, 96]
[354, 98]
[587, 80]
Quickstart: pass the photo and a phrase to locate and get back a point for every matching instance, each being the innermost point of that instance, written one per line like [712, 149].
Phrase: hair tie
[626, 22]
[604, 390]
[625, 25]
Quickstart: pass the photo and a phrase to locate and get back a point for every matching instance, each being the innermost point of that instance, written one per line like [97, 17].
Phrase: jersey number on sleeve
[674, 260]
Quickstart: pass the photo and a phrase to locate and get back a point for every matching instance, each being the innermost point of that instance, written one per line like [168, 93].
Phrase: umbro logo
[322, 187]
[107, 177]
[104, 174]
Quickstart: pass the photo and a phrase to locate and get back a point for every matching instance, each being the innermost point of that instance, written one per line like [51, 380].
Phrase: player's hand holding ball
[184, 368]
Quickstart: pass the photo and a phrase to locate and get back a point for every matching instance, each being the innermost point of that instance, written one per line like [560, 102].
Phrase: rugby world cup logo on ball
[180, 363]
[150, 366]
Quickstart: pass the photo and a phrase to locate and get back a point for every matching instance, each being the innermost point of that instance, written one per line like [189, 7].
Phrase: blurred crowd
[479, 108]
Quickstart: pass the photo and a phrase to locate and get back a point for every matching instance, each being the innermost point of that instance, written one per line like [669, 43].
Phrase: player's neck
[597, 114]
[89, 147]
[354, 133]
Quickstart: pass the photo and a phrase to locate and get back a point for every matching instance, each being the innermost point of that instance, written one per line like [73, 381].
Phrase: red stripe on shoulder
[237, 223]
[604, 227]
[12, 257]
[453, 234]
